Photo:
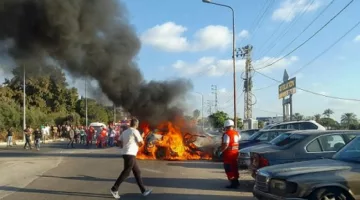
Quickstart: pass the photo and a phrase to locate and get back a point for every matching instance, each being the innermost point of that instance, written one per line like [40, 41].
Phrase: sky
[191, 39]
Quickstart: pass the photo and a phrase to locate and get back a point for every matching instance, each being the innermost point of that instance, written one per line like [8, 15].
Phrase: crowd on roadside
[103, 136]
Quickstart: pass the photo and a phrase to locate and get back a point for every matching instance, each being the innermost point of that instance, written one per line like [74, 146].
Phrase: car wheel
[329, 193]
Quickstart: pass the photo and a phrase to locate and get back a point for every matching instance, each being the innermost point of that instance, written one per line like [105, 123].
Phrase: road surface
[59, 173]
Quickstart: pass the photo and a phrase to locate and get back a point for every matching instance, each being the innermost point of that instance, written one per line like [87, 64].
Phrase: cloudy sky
[192, 39]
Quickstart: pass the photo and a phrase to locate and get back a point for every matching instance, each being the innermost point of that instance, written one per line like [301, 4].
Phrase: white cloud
[357, 38]
[170, 37]
[213, 67]
[290, 8]
[244, 34]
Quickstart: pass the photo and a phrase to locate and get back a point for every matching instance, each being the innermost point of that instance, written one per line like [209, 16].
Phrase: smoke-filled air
[88, 38]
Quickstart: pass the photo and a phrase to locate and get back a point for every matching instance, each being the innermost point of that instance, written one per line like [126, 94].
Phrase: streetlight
[233, 52]
[24, 103]
[86, 104]
[202, 109]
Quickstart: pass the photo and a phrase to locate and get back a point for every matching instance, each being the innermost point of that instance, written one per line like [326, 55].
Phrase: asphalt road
[59, 173]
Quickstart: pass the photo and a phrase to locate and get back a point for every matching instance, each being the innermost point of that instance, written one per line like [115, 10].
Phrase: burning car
[172, 142]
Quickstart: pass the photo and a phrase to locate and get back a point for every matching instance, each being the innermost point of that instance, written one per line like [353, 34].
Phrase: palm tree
[298, 117]
[328, 112]
[317, 117]
[348, 119]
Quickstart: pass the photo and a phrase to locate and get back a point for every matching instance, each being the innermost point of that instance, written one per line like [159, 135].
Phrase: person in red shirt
[90, 135]
[230, 153]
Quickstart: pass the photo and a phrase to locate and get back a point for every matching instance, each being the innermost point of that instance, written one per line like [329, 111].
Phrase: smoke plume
[88, 38]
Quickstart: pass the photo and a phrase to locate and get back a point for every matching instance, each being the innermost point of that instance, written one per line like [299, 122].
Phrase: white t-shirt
[226, 138]
[130, 138]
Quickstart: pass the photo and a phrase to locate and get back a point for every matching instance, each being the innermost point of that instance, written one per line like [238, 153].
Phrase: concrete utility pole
[24, 103]
[215, 92]
[233, 52]
[246, 53]
[86, 104]
[114, 114]
[209, 107]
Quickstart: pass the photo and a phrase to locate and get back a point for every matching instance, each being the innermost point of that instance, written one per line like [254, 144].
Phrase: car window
[351, 136]
[314, 146]
[273, 135]
[288, 139]
[263, 137]
[307, 126]
[331, 142]
[295, 126]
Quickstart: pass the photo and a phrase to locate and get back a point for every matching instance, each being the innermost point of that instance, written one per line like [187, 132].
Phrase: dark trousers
[130, 164]
[27, 142]
[72, 140]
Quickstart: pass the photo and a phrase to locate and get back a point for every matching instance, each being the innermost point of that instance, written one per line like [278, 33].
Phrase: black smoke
[88, 38]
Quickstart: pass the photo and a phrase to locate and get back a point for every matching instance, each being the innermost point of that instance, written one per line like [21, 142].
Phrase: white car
[297, 125]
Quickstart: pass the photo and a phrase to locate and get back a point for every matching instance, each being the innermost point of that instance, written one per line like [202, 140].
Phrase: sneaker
[115, 194]
[147, 192]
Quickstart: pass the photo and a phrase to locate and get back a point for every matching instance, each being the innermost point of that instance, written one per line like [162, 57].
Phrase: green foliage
[96, 112]
[217, 119]
[10, 115]
[261, 124]
[298, 117]
[329, 123]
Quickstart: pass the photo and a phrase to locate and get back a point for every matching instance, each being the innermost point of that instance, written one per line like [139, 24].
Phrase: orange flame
[173, 144]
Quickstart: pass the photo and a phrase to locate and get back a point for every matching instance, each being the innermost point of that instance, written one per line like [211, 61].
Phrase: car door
[329, 145]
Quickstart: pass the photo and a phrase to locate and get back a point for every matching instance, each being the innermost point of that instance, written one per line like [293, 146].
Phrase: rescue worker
[230, 151]
[90, 135]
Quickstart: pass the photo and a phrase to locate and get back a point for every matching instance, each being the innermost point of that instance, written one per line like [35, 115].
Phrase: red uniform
[230, 155]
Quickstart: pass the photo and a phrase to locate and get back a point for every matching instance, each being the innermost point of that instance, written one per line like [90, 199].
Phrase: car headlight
[278, 184]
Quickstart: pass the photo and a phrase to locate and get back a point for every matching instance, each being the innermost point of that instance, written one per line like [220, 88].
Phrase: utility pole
[215, 92]
[24, 103]
[246, 54]
[86, 104]
[209, 107]
[114, 114]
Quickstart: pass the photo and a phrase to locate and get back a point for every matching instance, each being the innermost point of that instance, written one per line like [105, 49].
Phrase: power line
[275, 42]
[302, 44]
[307, 27]
[311, 92]
[327, 49]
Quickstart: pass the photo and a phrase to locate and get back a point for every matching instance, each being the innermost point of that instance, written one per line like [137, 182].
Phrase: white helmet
[228, 123]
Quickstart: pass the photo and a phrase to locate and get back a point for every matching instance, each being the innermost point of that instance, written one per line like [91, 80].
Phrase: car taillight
[258, 161]
[263, 162]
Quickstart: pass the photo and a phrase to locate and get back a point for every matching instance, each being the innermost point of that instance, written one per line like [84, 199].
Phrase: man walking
[9, 137]
[71, 138]
[130, 141]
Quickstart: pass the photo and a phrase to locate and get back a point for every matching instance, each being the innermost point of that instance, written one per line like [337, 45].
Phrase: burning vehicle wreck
[171, 142]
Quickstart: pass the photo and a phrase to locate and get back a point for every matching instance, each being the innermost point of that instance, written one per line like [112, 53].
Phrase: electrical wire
[302, 44]
[311, 92]
[286, 31]
[327, 49]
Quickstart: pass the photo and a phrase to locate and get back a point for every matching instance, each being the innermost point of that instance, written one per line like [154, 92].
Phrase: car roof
[278, 130]
[320, 132]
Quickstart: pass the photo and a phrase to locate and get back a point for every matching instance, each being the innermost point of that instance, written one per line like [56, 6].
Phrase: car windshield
[255, 135]
[287, 139]
[350, 153]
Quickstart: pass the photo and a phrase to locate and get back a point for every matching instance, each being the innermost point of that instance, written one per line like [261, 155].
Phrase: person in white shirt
[130, 141]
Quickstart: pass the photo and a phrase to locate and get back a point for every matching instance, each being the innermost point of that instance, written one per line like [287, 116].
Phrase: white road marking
[152, 170]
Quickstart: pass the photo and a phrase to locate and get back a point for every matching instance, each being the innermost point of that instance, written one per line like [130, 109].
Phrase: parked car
[244, 153]
[261, 136]
[301, 146]
[247, 133]
[296, 125]
[336, 178]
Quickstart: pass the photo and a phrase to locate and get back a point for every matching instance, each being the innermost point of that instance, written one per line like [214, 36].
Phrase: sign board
[287, 88]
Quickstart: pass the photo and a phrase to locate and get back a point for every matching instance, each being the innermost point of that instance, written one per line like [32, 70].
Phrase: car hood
[305, 167]
[254, 148]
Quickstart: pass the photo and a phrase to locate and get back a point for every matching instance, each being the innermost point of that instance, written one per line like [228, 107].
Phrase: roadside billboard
[287, 88]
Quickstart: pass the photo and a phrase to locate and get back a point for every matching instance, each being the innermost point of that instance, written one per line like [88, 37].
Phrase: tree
[348, 119]
[317, 117]
[298, 117]
[217, 119]
[196, 114]
[329, 123]
[328, 112]
[261, 124]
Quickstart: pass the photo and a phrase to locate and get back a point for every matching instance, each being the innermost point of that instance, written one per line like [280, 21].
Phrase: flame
[173, 144]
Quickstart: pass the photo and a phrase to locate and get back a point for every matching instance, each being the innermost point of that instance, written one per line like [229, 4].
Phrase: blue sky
[192, 39]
